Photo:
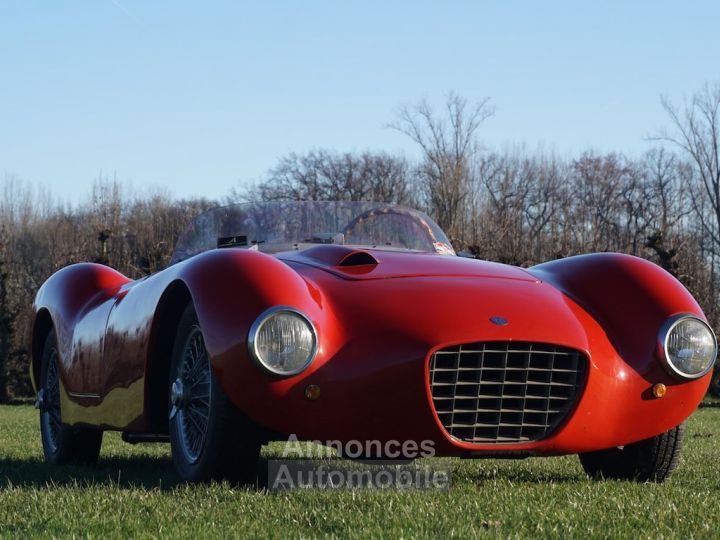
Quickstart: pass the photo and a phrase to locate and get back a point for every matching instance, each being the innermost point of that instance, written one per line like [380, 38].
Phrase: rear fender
[61, 302]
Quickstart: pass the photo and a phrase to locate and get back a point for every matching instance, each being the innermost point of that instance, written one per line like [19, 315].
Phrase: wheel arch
[165, 323]
[229, 289]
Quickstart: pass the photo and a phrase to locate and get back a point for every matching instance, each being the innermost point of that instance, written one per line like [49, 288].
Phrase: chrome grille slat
[504, 392]
[497, 410]
[492, 396]
[511, 383]
[440, 370]
[502, 351]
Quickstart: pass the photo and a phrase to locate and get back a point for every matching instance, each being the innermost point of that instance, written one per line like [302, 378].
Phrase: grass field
[133, 492]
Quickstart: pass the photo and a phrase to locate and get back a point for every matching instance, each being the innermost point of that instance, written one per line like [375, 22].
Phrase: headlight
[283, 341]
[689, 348]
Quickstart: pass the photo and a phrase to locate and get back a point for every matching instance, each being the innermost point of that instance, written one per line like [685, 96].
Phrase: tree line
[515, 206]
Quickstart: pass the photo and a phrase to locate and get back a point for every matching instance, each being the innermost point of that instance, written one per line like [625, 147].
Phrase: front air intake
[505, 392]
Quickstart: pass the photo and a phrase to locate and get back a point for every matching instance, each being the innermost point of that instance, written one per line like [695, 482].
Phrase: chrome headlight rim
[257, 326]
[663, 337]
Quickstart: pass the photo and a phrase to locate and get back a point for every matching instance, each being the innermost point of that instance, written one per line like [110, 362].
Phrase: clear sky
[199, 97]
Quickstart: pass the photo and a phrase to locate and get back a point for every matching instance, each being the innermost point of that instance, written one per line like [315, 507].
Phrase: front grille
[504, 392]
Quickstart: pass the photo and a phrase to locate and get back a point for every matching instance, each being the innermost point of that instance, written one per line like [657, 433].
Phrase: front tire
[209, 437]
[650, 460]
[714, 389]
[61, 443]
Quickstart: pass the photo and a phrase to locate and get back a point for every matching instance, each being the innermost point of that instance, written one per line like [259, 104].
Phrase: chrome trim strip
[84, 395]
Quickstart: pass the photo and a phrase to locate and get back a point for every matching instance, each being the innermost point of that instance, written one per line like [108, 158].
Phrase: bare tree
[448, 141]
[322, 175]
[667, 207]
[6, 321]
[135, 235]
[696, 132]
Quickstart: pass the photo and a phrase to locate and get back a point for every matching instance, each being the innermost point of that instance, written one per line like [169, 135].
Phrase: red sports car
[357, 322]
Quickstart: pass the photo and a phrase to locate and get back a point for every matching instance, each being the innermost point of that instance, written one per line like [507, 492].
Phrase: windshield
[272, 227]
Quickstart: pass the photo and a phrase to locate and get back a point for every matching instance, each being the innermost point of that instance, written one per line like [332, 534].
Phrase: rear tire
[61, 443]
[210, 438]
[650, 460]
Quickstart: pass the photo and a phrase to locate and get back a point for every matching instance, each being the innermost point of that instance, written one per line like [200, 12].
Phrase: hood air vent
[358, 258]
[339, 256]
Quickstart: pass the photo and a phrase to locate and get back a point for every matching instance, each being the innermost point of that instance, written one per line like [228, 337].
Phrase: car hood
[369, 264]
[420, 301]
[403, 318]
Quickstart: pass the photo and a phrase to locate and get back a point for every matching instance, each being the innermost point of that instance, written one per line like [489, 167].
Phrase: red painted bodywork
[377, 326]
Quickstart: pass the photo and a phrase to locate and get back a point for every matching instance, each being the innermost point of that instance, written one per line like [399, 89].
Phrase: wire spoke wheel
[190, 396]
[50, 414]
[210, 439]
[62, 443]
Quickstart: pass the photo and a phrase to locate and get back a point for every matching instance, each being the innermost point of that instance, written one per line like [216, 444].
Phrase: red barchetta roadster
[357, 322]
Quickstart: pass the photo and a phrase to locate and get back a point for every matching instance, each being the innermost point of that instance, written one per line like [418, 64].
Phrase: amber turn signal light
[312, 391]
[659, 390]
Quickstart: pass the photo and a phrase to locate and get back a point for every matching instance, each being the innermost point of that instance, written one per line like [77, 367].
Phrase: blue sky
[199, 97]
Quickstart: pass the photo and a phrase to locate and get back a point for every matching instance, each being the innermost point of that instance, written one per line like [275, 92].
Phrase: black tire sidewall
[59, 454]
[648, 460]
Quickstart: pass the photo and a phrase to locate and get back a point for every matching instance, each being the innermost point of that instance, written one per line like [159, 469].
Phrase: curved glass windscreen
[273, 227]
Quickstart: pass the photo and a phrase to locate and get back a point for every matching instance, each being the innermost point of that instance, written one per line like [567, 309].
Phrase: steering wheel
[390, 210]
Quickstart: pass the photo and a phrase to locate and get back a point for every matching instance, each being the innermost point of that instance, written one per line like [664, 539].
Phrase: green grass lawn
[133, 492]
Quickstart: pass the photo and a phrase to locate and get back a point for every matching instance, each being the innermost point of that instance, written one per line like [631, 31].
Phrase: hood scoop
[358, 258]
[339, 256]
[362, 264]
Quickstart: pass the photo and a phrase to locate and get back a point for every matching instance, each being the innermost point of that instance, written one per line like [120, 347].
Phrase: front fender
[630, 297]
[230, 289]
